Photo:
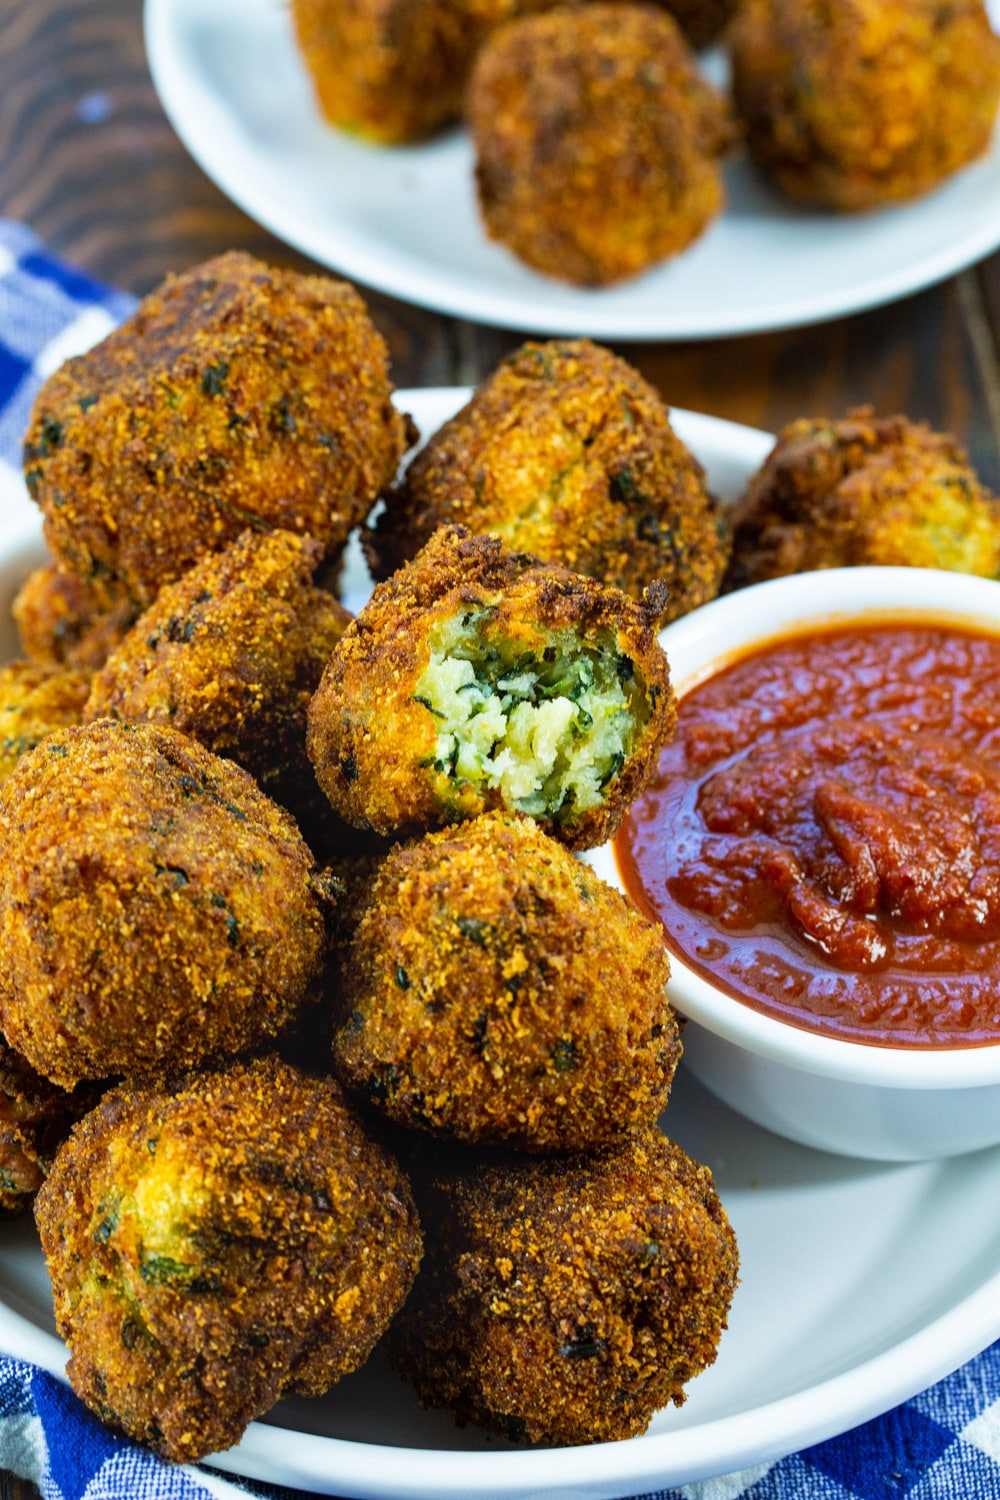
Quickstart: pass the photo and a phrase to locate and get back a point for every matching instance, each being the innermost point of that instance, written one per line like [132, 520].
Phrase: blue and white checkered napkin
[941, 1445]
[47, 313]
[49, 1437]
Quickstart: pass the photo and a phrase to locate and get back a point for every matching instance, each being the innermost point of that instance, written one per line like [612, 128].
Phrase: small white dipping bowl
[886, 1103]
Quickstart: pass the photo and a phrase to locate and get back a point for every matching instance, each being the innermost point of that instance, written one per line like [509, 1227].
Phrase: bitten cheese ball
[565, 1300]
[597, 141]
[498, 992]
[235, 395]
[477, 678]
[156, 909]
[851, 106]
[566, 451]
[216, 1245]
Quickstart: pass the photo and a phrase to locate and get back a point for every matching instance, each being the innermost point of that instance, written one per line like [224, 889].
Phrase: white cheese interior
[548, 729]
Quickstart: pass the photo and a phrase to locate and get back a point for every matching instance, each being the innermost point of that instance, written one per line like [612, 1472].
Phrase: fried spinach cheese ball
[231, 654]
[217, 1246]
[597, 141]
[35, 1117]
[849, 104]
[394, 71]
[34, 701]
[565, 1300]
[64, 620]
[478, 678]
[156, 908]
[496, 991]
[237, 395]
[567, 452]
[861, 490]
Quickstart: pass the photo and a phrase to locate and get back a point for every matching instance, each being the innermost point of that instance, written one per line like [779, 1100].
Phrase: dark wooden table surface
[88, 159]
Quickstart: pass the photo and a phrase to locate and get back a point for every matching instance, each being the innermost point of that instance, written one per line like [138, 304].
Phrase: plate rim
[432, 290]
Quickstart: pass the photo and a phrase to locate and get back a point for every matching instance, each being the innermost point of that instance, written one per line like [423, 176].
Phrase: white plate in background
[404, 220]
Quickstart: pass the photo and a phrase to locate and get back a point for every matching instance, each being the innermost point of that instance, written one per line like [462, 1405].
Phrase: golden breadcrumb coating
[35, 1117]
[851, 105]
[567, 452]
[64, 620]
[34, 700]
[478, 678]
[497, 991]
[236, 395]
[217, 1245]
[597, 141]
[863, 489]
[231, 654]
[565, 1300]
[395, 70]
[156, 909]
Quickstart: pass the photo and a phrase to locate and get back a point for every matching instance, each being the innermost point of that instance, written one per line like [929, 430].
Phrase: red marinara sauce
[822, 839]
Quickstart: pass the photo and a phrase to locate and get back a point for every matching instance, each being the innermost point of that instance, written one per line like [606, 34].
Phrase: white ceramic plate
[861, 1283]
[405, 220]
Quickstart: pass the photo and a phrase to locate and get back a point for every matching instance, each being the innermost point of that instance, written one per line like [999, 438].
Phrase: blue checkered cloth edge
[941, 1445]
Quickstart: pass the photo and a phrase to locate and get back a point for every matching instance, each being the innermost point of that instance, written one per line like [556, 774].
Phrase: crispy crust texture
[848, 106]
[568, 453]
[863, 489]
[35, 1117]
[231, 655]
[395, 70]
[565, 1301]
[34, 700]
[218, 1245]
[597, 141]
[156, 909]
[67, 621]
[498, 992]
[373, 739]
[236, 395]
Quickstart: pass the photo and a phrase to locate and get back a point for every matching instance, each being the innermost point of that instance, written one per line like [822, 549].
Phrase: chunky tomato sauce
[823, 836]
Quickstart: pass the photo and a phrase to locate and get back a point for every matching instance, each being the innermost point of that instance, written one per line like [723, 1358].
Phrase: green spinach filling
[550, 728]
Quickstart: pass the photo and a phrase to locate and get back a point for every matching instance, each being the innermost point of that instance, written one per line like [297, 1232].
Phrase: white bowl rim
[699, 644]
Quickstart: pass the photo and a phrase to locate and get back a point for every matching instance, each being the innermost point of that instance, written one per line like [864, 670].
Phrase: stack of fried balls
[599, 143]
[316, 1032]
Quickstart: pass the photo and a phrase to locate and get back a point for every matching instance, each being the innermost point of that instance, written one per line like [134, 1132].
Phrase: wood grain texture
[90, 161]
[13, 1488]
[989, 277]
